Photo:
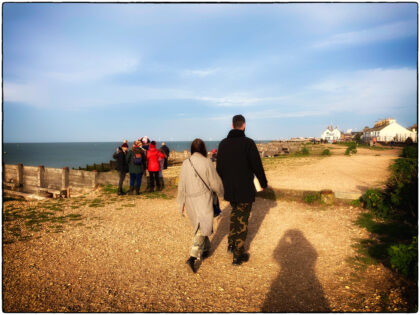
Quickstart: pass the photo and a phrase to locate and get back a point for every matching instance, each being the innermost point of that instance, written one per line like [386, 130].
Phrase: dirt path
[128, 254]
[340, 173]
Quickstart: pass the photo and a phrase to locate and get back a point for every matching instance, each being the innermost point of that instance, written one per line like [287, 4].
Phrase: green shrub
[303, 152]
[358, 137]
[410, 152]
[351, 149]
[326, 152]
[311, 197]
[398, 206]
[408, 141]
[373, 199]
[402, 188]
[403, 258]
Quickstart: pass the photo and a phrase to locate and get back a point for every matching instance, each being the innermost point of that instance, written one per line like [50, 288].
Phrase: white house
[388, 130]
[330, 134]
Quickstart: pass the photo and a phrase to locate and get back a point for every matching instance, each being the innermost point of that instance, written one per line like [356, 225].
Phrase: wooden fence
[19, 180]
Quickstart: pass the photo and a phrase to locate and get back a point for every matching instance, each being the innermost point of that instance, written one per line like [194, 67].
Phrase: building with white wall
[331, 135]
[388, 130]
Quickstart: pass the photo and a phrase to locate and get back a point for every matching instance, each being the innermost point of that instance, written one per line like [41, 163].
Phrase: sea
[77, 154]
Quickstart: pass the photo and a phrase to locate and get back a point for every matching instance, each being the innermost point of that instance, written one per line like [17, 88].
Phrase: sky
[107, 72]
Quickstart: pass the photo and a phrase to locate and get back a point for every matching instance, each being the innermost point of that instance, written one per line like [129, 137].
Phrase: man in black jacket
[122, 165]
[237, 162]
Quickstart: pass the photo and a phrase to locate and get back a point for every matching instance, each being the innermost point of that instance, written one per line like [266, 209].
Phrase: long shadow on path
[296, 288]
[259, 210]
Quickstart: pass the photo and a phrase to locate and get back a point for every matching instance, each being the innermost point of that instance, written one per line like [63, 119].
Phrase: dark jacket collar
[235, 133]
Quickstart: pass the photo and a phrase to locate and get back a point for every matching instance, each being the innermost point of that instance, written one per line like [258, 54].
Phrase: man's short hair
[238, 121]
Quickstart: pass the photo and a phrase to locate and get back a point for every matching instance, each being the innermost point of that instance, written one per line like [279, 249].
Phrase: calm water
[75, 154]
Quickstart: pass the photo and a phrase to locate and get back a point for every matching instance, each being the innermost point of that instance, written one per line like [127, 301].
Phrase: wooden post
[65, 180]
[41, 176]
[94, 178]
[19, 179]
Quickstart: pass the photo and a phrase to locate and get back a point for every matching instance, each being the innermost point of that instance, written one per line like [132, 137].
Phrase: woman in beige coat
[195, 198]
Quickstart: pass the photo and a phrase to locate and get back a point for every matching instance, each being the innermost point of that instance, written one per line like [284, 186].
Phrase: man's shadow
[296, 288]
[259, 210]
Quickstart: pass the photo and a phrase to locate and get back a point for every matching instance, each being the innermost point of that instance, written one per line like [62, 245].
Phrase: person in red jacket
[153, 165]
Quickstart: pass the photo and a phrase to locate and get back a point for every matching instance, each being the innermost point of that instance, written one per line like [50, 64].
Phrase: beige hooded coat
[194, 194]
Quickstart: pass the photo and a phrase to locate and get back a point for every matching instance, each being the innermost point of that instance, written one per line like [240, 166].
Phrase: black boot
[230, 248]
[238, 260]
[191, 263]
[162, 183]
[120, 192]
[137, 190]
[205, 254]
[131, 190]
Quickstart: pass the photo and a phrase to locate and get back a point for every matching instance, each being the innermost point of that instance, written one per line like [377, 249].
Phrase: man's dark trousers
[239, 226]
[120, 183]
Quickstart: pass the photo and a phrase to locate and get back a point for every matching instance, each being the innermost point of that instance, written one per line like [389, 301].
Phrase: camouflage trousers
[239, 226]
[200, 245]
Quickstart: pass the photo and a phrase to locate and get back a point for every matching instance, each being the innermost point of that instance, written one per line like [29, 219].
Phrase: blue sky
[107, 72]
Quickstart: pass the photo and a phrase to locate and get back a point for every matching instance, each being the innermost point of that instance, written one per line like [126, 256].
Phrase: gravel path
[128, 254]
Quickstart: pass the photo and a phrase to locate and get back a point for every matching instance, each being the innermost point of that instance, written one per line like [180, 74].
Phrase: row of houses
[386, 130]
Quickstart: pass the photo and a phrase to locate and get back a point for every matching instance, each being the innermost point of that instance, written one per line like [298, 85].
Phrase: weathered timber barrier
[273, 148]
[276, 148]
[19, 180]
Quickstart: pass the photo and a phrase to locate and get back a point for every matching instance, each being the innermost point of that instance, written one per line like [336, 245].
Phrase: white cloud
[271, 114]
[372, 35]
[240, 101]
[367, 91]
[89, 67]
[30, 94]
[201, 72]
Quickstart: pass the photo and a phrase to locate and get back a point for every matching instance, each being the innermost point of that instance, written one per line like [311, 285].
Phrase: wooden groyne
[32, 182]
[276, 148]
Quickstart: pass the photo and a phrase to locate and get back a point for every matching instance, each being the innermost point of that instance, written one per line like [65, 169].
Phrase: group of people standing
[143, 157]
[238, 161]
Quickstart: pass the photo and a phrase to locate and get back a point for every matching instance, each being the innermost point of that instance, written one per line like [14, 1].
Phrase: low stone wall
[33, 179]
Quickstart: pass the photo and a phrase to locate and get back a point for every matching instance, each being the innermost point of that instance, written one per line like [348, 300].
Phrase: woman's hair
[199, 146]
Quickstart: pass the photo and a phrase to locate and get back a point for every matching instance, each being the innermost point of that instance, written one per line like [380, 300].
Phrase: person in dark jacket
[122, 167]
[136, 159]
[166, 151]
[153, 166]
[238, 161]
[145, 143]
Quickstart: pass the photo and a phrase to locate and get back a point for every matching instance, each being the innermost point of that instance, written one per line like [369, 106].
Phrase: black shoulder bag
[216, 205]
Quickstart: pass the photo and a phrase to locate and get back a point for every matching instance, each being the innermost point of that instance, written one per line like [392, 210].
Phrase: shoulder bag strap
[199, 175]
